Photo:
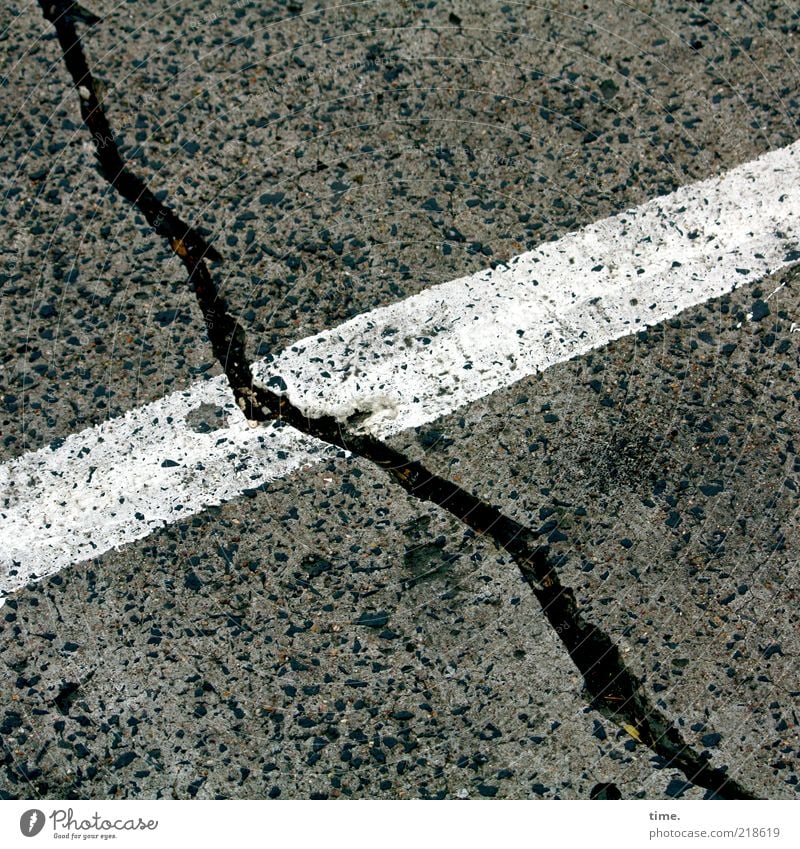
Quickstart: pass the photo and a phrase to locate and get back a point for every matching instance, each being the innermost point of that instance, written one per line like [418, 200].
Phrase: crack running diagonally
[610, 687]
[63, 15]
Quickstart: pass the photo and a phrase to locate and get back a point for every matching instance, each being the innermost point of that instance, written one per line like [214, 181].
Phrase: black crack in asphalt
[63, 15]
[610, 687]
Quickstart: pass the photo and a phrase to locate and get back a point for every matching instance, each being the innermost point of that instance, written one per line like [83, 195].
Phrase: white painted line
[119, 481]
[402, 365]
[423, 357]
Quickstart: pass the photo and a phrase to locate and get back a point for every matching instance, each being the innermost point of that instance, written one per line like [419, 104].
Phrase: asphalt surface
[331, 636]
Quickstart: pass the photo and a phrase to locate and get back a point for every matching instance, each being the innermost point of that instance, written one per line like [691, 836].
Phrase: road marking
[403, 365]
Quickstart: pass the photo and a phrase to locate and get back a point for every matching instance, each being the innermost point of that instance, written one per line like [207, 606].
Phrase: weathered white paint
[402, 365]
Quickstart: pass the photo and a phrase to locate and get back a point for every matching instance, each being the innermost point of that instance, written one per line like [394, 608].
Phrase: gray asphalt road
[330, 636]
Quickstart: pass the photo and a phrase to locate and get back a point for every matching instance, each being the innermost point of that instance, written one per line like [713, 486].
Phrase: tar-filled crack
[63, 15]
[610, 687]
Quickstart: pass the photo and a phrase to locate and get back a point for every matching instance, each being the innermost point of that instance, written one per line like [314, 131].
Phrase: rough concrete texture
[95, 316]
[343, 157]
[664, 468]
[316, 642]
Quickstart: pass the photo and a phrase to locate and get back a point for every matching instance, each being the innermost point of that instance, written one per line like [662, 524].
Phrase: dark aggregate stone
[340, 175]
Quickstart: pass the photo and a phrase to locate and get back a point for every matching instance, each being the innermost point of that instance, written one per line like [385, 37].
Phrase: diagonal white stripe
[419, 359]
[402, 365]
